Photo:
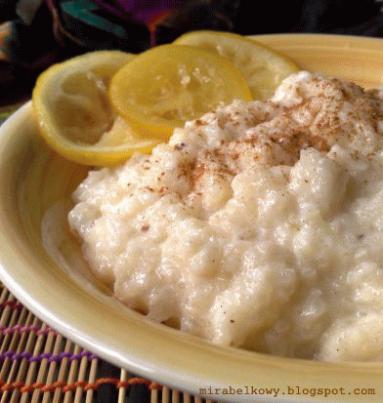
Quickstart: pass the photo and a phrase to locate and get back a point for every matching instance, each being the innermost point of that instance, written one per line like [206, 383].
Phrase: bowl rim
[170, 369]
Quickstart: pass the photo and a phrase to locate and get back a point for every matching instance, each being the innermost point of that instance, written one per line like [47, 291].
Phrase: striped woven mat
[37, 364]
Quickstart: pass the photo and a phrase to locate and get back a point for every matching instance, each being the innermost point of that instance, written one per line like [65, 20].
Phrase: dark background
[37, 33]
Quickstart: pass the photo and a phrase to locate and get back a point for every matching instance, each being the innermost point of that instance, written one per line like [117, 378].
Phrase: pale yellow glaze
[32, 179]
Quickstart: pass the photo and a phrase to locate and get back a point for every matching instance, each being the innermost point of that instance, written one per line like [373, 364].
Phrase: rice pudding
[259, 225]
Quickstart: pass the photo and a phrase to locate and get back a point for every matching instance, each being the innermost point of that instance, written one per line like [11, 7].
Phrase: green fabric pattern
[83, 10]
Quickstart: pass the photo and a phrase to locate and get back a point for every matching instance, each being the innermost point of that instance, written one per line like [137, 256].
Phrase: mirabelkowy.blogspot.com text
[289, 390]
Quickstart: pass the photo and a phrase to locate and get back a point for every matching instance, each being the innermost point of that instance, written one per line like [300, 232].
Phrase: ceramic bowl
[35, 186]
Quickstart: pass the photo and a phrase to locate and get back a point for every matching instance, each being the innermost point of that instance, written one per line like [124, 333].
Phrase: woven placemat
[37, 364]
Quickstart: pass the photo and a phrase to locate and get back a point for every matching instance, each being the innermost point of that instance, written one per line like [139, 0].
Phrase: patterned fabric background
[36, 33]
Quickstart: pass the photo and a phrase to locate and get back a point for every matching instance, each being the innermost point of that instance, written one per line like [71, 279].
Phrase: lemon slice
[168, 85]
[74, 114]
[263, 68]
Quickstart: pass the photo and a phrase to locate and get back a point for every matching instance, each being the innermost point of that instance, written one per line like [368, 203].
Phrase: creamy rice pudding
[259, 225]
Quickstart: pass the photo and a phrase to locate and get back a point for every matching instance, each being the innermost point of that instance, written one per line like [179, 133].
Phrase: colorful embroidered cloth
[37, 33]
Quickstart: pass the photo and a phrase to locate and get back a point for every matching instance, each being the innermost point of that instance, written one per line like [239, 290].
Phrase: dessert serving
[256, 224]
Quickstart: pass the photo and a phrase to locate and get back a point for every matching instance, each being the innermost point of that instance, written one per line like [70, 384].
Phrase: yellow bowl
[32, 179]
